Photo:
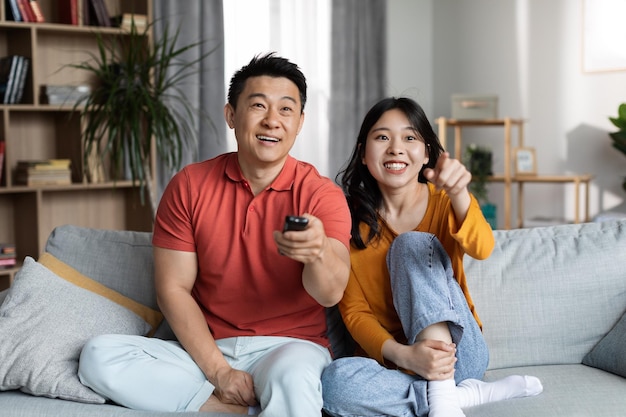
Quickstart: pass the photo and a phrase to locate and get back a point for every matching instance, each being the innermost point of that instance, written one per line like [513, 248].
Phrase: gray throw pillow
[44, 323]
[609, 354]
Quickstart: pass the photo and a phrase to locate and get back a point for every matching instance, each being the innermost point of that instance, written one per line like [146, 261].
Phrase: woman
[407, 303]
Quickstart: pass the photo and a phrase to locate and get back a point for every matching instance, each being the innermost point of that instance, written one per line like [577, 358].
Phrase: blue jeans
[424, 293]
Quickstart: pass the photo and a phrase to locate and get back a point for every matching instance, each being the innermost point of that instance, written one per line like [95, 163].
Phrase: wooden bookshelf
[34, 130]
[508, 177]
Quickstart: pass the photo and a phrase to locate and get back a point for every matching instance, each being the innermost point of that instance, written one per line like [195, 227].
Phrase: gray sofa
[547, 297]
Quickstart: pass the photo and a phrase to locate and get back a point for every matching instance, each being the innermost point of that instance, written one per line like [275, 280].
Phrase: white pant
[157, 375]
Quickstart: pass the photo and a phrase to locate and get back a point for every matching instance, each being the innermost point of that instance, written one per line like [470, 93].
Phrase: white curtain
[298, 30]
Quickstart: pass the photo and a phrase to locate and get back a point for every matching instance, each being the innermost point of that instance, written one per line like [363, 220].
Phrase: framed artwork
[603, 34]
[524, 161]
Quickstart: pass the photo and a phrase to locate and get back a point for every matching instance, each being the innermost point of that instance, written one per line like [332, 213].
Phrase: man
[245, 300]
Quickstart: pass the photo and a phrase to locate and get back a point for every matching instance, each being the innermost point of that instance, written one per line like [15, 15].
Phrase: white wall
[529, 53]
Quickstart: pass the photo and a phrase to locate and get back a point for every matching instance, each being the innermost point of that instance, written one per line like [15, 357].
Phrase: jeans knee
[93, 366]
[332, 380]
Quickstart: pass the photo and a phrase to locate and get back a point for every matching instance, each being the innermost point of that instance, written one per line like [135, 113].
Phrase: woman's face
[394, 151]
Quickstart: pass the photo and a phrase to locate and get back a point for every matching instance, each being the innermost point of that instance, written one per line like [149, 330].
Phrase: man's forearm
[188, 323]
[325, 279]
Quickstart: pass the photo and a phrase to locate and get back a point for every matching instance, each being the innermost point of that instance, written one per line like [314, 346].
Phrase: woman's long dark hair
[359, 186]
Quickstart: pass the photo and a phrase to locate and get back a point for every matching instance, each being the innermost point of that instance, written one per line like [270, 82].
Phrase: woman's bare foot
[215, 405]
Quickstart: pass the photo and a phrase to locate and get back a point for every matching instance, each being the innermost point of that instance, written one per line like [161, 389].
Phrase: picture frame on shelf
[524, 161]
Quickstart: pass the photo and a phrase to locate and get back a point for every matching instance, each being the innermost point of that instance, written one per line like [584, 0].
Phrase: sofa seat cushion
[18, 404]
[568, 390]
[44, 323]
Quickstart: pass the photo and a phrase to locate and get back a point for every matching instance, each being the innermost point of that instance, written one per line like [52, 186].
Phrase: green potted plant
[619, 137]
[479, 161]
[137, 104]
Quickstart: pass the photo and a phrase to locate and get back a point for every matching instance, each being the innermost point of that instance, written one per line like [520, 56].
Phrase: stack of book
[8, 257]
[13, 71]
[64, 94]
[46, 172]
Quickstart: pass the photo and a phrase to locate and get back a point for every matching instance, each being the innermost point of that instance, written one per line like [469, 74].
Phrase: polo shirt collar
[283, 182]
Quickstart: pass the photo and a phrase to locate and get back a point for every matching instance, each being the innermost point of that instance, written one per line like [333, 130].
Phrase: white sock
[473, 392]
[443, 400]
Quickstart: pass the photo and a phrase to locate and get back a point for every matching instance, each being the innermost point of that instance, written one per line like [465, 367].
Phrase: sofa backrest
[547, 295]
[121, 260]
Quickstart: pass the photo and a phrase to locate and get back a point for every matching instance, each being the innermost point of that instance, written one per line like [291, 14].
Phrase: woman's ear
[361, 153]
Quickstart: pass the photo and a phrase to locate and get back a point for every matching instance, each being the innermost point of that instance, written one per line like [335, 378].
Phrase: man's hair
[270, 65]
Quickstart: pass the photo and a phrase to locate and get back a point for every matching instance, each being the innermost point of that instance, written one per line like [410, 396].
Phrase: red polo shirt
[244, 287]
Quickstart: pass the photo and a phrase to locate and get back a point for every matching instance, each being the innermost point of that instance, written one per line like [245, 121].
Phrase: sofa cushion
[610, 353]
[120, 260]
[568, 391]
[63, 270]
[40, 340]
[547, 295]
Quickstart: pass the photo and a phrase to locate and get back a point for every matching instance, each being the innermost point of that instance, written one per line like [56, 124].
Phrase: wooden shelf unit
[33, 130]
[507, 177]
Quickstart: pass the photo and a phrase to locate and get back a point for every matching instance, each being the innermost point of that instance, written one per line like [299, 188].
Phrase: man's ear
[229, 115]
[301, 123]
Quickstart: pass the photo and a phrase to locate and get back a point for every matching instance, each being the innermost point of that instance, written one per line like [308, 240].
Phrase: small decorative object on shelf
[479, 161]
[525, 162]
[474, 107]
[64, 94]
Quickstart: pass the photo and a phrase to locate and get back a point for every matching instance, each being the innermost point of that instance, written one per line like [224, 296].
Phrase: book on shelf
[36, 8]
[8, 262]
[25, 11]
[45, 164]
[33, 180]
[7, 248]
[7, 255]
[13, 72]
[85, 18]
[99, 13]
[22, 71]
[68, 11]
[2, 148]
[8, 71]
[13, 11]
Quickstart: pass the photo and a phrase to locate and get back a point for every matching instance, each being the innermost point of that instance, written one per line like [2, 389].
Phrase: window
[298, 30]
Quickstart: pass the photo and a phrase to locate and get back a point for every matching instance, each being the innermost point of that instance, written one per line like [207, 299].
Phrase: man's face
[266, 121]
